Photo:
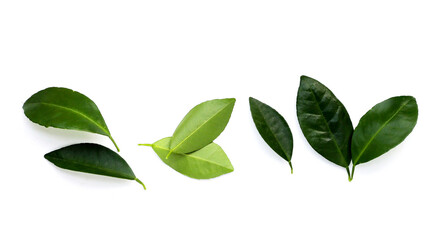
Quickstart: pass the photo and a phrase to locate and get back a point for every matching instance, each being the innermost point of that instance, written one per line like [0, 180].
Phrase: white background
[147, 63]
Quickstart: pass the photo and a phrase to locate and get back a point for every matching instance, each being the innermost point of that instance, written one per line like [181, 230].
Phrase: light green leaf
[208, 162]
[203, 124]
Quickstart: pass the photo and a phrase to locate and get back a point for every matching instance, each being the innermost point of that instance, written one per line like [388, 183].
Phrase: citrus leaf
[207, 162]
[66, 109]
[92, 158]
[324, 121]
[383, 127]
[273, 128]
[203, 124]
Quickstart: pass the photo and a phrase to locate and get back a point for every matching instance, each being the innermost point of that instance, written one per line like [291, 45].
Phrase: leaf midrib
[77, 112]
[197, 129]
[379, 130]
[192, 156]
[328, 127]
[275, 136]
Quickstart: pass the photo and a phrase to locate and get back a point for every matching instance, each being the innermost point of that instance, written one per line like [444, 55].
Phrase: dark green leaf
[92, 158]
[207, 162]
[66, 109]
[383, 127]
[273, 128]
[203, 124]
[324, 121]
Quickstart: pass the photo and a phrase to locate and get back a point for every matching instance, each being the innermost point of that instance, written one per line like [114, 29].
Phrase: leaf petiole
[113, 141]
[353, 172]
[138, 180]
[290, 164]
[145, 144]
[348, 172]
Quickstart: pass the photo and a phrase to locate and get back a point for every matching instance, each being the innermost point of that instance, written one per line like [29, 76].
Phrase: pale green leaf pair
[191, 150]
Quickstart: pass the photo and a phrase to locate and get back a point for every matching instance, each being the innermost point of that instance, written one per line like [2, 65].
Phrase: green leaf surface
[273, 128]
[66, 109]
[92, 158]
[383, 127]
[324, 121]
[208, 162]
[203, 124]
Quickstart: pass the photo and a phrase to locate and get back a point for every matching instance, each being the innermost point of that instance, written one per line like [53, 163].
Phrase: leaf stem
[115, 144]
[145, 144]
[348, 172]
[353, 172]
[290, 164]
[138, 180]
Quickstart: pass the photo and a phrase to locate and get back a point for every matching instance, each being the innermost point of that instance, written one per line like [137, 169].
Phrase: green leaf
[383, 127]
[208, 162]
[324, 121]
[66, 109]
[273, 128]
[92, 158]
[203, 124]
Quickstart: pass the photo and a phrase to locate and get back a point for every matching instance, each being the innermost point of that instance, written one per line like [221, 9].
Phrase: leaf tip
[253, 100]
[232, 101]
[304, 78]
[47, 156]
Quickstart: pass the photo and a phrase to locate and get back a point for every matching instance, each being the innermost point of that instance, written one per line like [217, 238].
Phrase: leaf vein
[76, 112]
[275, 136]
[328, 127]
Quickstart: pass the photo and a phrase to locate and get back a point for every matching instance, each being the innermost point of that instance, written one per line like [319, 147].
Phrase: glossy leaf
[324, 121]
[66, 109]
[383, 127]
[208, 162]
[203, 124]
[273, 128]
[92, 158]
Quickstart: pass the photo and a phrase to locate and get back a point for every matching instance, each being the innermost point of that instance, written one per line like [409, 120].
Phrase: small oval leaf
[273, 128]
[383, 127]
[324, 121]
[92, 158]
[66, 109]
[203, 124]
[208, 162]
